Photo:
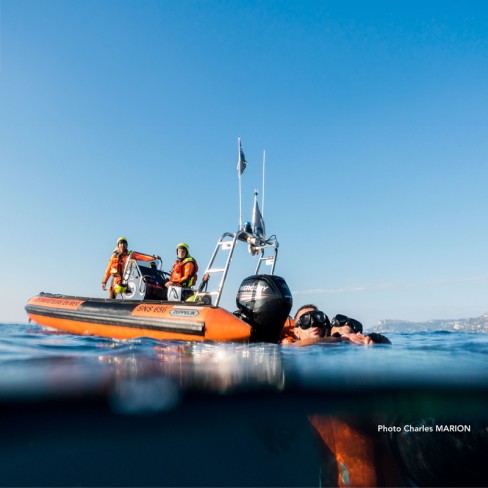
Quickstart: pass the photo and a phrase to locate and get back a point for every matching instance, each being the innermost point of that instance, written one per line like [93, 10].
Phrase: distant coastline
[474, 325]
[477, 324]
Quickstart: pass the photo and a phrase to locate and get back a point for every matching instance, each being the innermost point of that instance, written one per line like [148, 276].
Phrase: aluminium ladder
[227, 243]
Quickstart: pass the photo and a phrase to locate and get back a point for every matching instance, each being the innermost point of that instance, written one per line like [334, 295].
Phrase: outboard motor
[264, 302]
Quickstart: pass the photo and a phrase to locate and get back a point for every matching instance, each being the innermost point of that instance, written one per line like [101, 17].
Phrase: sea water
[93, 411]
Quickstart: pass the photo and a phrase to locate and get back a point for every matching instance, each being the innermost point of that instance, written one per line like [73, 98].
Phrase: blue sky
[122, 118]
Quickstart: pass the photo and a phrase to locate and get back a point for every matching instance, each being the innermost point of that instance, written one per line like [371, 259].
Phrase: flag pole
[262, 196]
[239, 172]
[256, 192]
[258, 226]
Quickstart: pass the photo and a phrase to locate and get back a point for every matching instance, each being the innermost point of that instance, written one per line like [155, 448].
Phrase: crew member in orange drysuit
[185, 269]
[116, 267]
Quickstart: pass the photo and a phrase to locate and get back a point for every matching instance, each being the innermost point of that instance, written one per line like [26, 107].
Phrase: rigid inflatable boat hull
[127, 319]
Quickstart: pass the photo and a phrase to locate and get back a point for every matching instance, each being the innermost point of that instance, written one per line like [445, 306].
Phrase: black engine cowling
[264, 302]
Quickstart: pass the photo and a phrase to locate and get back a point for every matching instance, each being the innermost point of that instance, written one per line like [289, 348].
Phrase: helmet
[183, 245]
[121, 239]
[120, 288]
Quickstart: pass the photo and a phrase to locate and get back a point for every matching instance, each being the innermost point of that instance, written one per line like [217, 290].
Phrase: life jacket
[178, 272]
[117, 265]
[287, 333]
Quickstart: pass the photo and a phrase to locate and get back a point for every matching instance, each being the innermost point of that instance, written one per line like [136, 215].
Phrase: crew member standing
[116, 267]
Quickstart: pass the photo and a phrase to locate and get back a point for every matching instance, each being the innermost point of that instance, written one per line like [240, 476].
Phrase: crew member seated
[183, 275]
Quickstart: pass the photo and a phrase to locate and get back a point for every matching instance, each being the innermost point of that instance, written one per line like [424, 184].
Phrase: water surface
[100, 412]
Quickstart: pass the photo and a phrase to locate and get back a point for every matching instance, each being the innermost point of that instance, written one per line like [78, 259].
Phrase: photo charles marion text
[424, 428]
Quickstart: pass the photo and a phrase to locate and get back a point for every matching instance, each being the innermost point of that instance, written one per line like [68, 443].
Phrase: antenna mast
[239, 172]
[262, 197]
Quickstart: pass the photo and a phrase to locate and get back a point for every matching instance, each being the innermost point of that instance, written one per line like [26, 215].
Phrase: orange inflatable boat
[263, 301]
[126, 319]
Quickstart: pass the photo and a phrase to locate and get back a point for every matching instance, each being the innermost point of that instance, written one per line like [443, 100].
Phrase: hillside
[477, 324]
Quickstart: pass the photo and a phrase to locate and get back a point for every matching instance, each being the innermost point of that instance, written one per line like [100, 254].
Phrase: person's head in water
[310, 322]
[344, 325]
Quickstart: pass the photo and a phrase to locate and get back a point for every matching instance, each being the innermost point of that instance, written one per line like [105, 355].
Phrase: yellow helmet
[120, 288]
[183, 245]
[121, 239]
